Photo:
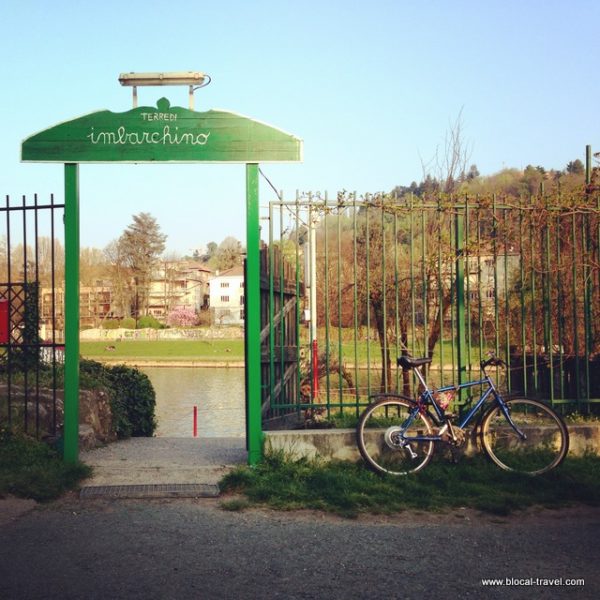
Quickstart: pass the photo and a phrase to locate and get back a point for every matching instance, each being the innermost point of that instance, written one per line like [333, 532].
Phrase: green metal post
[460, 297]
[253, 365]
[282, 320]
[368, 296]
[588, 164]
[339, 293]
[532, 296]
[297, 275]
[495, 255]
[506, 286]
[574, 295]
[560, 302]
[548, 337]
[271, 383]
[440, 287]
[71, 405]
[479, 276]
[355, 302]
[413, 301]
[327, 313]
[587, 292]
[385, 382]
[396, 289]
[522, 297]
[468, 284]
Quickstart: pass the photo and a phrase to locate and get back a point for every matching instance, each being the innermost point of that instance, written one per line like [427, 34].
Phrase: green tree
[575, 167]
[211, 250]
[228, 254]
[141, 244]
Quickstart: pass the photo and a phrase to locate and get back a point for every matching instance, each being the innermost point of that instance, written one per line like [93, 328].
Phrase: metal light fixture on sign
[193, 79]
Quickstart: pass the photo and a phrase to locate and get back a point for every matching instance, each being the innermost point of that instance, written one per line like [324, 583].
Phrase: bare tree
[120, 276]
[448, 166]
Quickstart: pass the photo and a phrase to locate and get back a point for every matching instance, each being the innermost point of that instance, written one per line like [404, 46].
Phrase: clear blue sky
[371, 88]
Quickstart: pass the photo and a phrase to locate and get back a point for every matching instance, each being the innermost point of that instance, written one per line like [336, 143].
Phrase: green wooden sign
[162, 134]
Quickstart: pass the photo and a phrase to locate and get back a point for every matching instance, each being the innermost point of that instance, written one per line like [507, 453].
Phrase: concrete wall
[340, 444]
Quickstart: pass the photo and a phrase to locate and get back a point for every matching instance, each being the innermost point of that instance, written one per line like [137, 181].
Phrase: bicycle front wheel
[541, 443]
[383, 436]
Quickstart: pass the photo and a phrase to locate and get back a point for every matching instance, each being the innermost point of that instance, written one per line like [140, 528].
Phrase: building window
[241, 300]
[224, 298]
[225, 284]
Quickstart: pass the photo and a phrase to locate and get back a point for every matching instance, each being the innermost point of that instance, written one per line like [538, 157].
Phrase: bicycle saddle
[408, 362]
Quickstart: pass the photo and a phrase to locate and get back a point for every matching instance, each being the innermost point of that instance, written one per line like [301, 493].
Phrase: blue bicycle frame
[427, 398]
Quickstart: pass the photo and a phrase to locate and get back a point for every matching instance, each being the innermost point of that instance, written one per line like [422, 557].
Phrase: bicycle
[397, 434]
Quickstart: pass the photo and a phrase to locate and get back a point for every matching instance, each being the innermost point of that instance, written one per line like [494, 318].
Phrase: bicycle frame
[426, 398]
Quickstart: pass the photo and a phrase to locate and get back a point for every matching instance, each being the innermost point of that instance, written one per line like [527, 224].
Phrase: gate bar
[252, 334]
[71, 405]
[461, 367]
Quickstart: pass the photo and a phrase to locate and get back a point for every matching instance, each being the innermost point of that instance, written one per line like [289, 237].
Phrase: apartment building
[227, 297]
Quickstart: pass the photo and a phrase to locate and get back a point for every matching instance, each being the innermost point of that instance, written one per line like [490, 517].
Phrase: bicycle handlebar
[493, 361]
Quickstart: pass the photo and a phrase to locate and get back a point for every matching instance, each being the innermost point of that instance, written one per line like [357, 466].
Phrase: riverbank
[182, 353]
[142, 363]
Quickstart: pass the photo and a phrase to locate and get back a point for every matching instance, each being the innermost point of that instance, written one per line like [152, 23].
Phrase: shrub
[204, 318]
[133, 399]
[132, 396]
[133, 402]
[111, 324]
[149, 322]
[128, 323]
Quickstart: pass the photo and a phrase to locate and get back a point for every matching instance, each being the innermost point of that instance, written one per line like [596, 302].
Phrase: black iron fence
[31, 346]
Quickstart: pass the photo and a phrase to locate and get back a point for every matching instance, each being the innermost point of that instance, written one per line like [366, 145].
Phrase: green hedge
[149, 322]
[133, 399]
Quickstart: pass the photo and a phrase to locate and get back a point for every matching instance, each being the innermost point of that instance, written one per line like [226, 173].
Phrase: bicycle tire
[379, 440]
[545, 446]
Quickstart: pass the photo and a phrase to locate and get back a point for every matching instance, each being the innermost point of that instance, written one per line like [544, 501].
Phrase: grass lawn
[350, 489]
[31, 469]
[366, 352]
[165, 350]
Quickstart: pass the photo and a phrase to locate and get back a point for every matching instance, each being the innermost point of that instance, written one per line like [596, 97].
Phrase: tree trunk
[386, 371]
[435, 330]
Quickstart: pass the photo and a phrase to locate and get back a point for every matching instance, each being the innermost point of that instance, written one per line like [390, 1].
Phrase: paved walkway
[192, 549]
[160, 461]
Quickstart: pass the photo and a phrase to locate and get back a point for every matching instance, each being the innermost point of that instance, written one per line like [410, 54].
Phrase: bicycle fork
[506, 412]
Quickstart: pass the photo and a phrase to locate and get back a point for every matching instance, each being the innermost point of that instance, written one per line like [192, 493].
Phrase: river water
[218, 395]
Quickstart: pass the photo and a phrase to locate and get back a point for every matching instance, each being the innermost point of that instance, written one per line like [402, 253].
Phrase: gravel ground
[103, 549]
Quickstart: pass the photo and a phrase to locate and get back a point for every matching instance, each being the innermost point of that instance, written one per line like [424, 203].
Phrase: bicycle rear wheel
[544, 446]
[380, 436]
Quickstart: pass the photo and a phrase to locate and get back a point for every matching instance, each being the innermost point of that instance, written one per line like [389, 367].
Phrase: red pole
[4, 322]
[315, 369]
[195, 421]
